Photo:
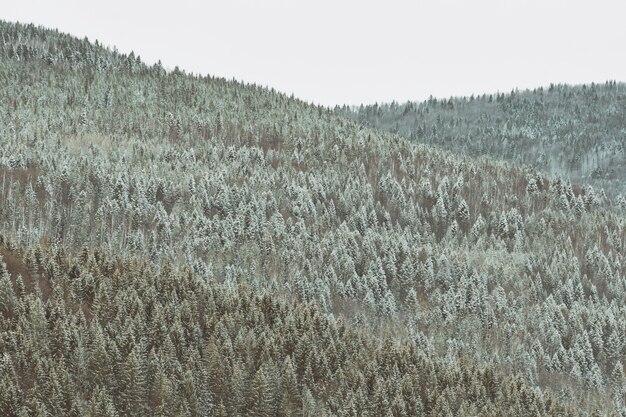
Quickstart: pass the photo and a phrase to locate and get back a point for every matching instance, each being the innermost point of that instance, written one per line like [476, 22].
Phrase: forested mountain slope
[103, 336]
[578, 132]
[178, 227]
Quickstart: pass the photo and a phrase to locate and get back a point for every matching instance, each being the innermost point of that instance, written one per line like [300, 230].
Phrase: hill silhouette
[576, 132]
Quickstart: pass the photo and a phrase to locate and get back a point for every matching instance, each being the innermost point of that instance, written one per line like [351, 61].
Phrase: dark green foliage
[240, 362]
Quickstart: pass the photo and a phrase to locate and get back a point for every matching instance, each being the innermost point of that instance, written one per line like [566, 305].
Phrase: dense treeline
[99, 336]
[470, 264]
[575, 131]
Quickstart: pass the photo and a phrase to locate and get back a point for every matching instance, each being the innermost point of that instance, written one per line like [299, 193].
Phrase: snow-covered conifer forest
[578, 132]
[174, 244]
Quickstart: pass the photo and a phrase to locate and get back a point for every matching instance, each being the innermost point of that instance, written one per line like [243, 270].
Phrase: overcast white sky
[348, 51]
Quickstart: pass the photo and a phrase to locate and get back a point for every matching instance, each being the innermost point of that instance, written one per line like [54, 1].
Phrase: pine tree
[190, 395]
[8, 299]
[615, 345]
[131, 386]
[463, 214]
[262, 399]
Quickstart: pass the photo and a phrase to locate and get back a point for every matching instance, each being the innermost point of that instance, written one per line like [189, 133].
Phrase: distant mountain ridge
[578, 132]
